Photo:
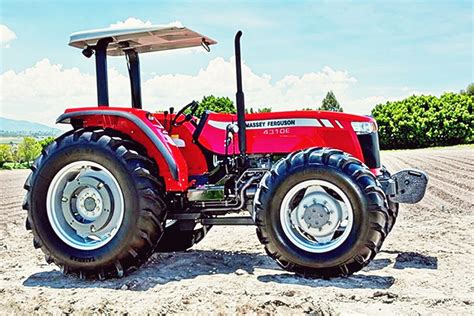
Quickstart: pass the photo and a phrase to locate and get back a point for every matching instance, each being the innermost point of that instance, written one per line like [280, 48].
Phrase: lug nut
[100, 185]
[64, 199]
[92, 228]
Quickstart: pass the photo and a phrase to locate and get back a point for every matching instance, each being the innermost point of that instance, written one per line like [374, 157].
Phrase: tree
[5, 154]
[216, 104]
[29, 149]
[469, 90]
[330, 103]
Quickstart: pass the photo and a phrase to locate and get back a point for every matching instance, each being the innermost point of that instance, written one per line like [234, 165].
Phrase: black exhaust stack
[240, 97]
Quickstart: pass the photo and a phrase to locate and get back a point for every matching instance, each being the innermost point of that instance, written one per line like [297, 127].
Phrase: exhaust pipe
[240, 97]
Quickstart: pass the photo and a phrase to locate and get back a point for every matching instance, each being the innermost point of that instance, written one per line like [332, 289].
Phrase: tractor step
[197, 217]
[235, 220]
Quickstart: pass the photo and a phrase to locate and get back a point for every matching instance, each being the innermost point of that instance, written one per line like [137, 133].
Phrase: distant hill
[23, 128]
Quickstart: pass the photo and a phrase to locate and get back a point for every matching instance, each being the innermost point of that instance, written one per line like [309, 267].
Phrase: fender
[140, 126]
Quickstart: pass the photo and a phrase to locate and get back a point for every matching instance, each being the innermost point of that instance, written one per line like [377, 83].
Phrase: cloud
[134, 22]
[42, 92]
[6, 35]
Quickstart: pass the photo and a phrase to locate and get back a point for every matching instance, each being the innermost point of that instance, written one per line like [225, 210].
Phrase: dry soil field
[425, 266]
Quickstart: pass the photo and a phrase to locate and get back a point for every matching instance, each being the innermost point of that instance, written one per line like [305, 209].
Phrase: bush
[5, 154]
[8, 165]
[46, 141]
[15, 165]
[29, 149]
[425, 121]
[20, 156]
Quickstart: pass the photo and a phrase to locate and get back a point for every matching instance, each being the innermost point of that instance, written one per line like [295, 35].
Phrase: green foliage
[46, 141]
[425, 121]
[264, 110]
[260, 110]
[29, 149]
[15, 165]
[330, 103]
[5, 154]
[20, 156]
[469, 90]
[216, 104]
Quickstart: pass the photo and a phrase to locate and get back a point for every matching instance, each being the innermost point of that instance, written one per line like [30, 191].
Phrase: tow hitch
[405, 186]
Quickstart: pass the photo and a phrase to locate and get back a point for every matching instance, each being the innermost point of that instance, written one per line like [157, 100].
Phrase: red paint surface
[271, 139]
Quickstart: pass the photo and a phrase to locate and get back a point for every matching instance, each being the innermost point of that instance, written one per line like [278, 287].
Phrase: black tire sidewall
[348, 249]
[63, 253]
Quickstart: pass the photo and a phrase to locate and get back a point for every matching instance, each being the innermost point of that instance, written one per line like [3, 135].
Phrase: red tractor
[124, 182]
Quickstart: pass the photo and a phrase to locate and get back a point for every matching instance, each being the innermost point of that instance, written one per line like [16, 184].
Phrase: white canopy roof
[143, 39]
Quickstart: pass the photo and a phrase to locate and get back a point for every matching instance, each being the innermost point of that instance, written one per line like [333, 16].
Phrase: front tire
[337, 218]
[94, 205]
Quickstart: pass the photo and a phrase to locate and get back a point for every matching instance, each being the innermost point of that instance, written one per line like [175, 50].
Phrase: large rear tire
[320, 213]
[94, 204]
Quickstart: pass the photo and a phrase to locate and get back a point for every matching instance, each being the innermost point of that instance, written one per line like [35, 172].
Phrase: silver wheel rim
[314, 220]
[85, 205]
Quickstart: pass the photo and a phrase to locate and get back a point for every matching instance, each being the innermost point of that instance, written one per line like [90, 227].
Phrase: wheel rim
[85, 205]
[316, 216]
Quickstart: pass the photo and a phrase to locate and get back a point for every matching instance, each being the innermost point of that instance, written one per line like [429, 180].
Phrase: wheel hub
[317, 221]
[89, 204]
[316, 215]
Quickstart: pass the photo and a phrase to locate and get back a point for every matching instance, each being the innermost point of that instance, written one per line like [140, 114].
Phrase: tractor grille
[370, 149]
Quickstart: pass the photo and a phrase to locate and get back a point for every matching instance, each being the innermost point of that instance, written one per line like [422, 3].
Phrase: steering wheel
[180, 118]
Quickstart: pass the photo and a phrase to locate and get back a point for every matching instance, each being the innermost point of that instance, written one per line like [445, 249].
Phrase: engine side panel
[285, 132]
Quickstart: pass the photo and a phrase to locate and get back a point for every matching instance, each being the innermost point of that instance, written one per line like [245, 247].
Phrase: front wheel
[320, 213]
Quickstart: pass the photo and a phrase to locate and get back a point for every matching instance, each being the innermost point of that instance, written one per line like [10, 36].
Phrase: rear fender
[143, 128]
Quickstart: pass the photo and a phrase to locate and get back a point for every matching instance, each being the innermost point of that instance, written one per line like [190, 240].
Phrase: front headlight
[364, 127]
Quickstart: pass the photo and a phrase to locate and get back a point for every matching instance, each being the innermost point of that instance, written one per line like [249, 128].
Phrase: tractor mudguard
[143, 128]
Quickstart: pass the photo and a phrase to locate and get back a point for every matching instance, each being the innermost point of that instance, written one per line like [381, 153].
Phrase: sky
[294, 52]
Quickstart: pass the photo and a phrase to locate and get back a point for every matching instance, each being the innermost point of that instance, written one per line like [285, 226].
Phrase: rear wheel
[94, 207]
[320, 213]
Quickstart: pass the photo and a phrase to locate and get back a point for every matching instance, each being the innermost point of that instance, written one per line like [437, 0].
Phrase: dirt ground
[423, 267]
